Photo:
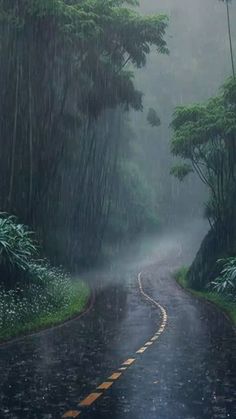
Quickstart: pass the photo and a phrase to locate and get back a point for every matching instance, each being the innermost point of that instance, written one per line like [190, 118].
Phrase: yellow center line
[115, 376]
[164, 316]
[90, 399]
[129, 361]
[105, 385]
[141, 350]
[71, 414]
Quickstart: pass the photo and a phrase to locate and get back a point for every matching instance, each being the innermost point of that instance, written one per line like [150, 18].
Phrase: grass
[78, 300]
[34, 294]
[220, 301]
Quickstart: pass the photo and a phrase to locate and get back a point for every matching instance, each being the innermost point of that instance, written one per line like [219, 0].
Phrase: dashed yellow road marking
[90, 399]
[115, 376]
[141, 350]
[162, 310]
[105, 385]
[71, 414]
[129, 361]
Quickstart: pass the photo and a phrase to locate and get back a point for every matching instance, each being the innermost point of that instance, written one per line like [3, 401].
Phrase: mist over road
[188, 372]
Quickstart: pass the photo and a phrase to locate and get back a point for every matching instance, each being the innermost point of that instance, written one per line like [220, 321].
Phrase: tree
[229, 34]
[203, 136]
[152, 118]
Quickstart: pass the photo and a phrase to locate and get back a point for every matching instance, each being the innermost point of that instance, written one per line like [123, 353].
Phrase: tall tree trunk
[13, 154]
[230, 38]
[30, 141]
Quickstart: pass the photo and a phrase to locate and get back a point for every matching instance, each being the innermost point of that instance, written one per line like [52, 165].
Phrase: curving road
[184, 368]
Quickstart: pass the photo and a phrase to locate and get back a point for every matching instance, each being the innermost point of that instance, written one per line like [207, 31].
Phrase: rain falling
[117, 209]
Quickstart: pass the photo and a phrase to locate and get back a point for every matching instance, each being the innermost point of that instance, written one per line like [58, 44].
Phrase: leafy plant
[17, 247]
[225, 283]
[180, 171]
[19, 258]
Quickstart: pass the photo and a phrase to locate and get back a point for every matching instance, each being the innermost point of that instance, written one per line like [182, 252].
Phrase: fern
[225, 283]
[17, 247]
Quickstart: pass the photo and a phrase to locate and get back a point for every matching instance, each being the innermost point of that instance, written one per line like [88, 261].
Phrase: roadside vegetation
[221, 291]
[204, 138]
[204, 142]
[33, 294]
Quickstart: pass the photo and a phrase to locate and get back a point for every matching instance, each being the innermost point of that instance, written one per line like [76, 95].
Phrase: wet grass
[228, 307]
[79, 296]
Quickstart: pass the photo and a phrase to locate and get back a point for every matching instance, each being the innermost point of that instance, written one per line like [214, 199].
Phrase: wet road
[188, 373]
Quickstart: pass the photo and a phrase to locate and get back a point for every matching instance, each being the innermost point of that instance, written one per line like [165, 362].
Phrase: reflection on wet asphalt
[188, 374]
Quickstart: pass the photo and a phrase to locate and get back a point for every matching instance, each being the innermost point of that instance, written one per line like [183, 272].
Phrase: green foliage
[225, 283]
[180, 171]
[205, 136]
[152, 118]
[17, 247]
[19, 257]
[228, 92]
[196, 126]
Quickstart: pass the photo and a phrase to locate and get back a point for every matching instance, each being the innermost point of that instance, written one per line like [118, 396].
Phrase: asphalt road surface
[90, 368]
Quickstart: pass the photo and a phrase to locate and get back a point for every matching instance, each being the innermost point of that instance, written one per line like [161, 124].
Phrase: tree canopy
[204, 135]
